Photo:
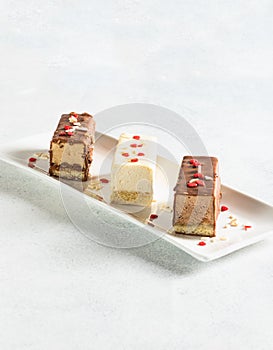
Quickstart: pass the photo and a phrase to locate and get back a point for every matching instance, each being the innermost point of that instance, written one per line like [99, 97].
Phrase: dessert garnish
[200, 182]
[192, 184]
[73, 119]
[153, 216]
[224, 208]
[32, 159]
[199, 176]
[195, 163]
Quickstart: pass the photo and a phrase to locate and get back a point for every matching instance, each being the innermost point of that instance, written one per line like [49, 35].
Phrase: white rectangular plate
[247, 210]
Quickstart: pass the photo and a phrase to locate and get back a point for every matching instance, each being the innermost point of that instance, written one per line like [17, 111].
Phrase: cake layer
[197, 196]
[133, 170]
[137, 198]
[71, 147]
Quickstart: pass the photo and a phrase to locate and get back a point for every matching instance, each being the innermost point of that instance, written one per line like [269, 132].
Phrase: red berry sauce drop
[192, 184]
[200, 183]
[153, 216]
[198, 176]
[224, 208]
[32, 160]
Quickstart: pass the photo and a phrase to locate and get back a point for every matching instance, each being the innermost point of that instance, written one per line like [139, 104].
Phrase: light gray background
[210, 61]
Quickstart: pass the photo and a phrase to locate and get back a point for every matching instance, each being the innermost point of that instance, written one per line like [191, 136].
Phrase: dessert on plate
[197, 196]
[71, 147]
[133, 170]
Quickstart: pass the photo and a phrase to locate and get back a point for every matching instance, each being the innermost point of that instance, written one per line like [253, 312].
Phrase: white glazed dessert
[133, 170]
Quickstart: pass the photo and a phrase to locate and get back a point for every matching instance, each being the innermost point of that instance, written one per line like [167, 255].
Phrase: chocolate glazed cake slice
[197, 196]
[71, 147]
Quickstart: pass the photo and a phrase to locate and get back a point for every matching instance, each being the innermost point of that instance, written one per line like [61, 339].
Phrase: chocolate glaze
[86, 120]
[209, 168]
[85, 137]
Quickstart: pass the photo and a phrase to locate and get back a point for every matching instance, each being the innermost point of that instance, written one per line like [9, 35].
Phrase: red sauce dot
[198, 176]
[70, 133]
[32, 159]
[224, 208]
[67, 127]
[192, 184]
[136, 137]
[200, 183]
[247, 226]
[134, 145]
[74, 114]
[202, 243]
[125, 154]
[141, 154]
[195, 163]
[140, 145]
[133, 160]
[153, 216]
[104, 181]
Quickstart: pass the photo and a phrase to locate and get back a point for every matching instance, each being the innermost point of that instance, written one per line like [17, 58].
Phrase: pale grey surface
[209, 61]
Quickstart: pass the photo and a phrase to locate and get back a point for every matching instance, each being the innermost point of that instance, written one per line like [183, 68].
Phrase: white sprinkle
[41, 155]
[82, 129]
[73, 119]
[70, 130]
[234, 223]
[193, 180]
[208, 178]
